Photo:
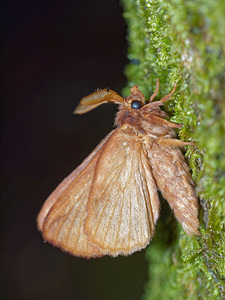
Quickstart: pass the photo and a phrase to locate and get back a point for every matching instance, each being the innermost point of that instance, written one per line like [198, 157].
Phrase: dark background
[54, 53]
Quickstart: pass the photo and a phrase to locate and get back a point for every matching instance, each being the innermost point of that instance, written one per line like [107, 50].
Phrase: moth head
[136, 99]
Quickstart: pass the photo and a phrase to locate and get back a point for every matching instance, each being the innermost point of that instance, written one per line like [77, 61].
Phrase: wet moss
[184, 42]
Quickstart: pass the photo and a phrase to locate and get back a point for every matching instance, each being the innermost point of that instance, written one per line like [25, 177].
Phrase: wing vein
[130, 216]
[121, 212]
[69, 212]
[138, 201]
[75, 242]
[110, 219]
[148, 204]
[71, 225]
[103, 209]
[114, 210]
[61, 225]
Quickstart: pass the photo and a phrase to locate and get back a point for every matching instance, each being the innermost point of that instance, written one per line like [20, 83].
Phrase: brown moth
[109, 204]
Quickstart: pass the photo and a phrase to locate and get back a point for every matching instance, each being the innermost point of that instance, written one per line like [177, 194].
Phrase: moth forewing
[178, 187]
[120, 216]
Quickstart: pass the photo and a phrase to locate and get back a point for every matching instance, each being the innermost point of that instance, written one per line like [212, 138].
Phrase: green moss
[184, 42]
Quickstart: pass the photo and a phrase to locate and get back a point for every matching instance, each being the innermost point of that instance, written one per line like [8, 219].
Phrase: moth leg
[156, 90]
[173, 142]
[161, 121]
[167, 97]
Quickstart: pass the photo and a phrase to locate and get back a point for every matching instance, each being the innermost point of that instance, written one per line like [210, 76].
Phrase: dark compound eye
[136, 104]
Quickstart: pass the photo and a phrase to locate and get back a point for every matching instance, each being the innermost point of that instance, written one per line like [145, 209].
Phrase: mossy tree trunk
[184, 42]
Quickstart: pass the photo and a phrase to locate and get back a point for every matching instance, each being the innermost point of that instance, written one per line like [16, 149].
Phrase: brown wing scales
[107, 208]
[174, 181]
[120, 217]
[63, 225]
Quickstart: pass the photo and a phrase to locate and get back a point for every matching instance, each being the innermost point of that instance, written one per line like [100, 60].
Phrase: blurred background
[54, 53]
